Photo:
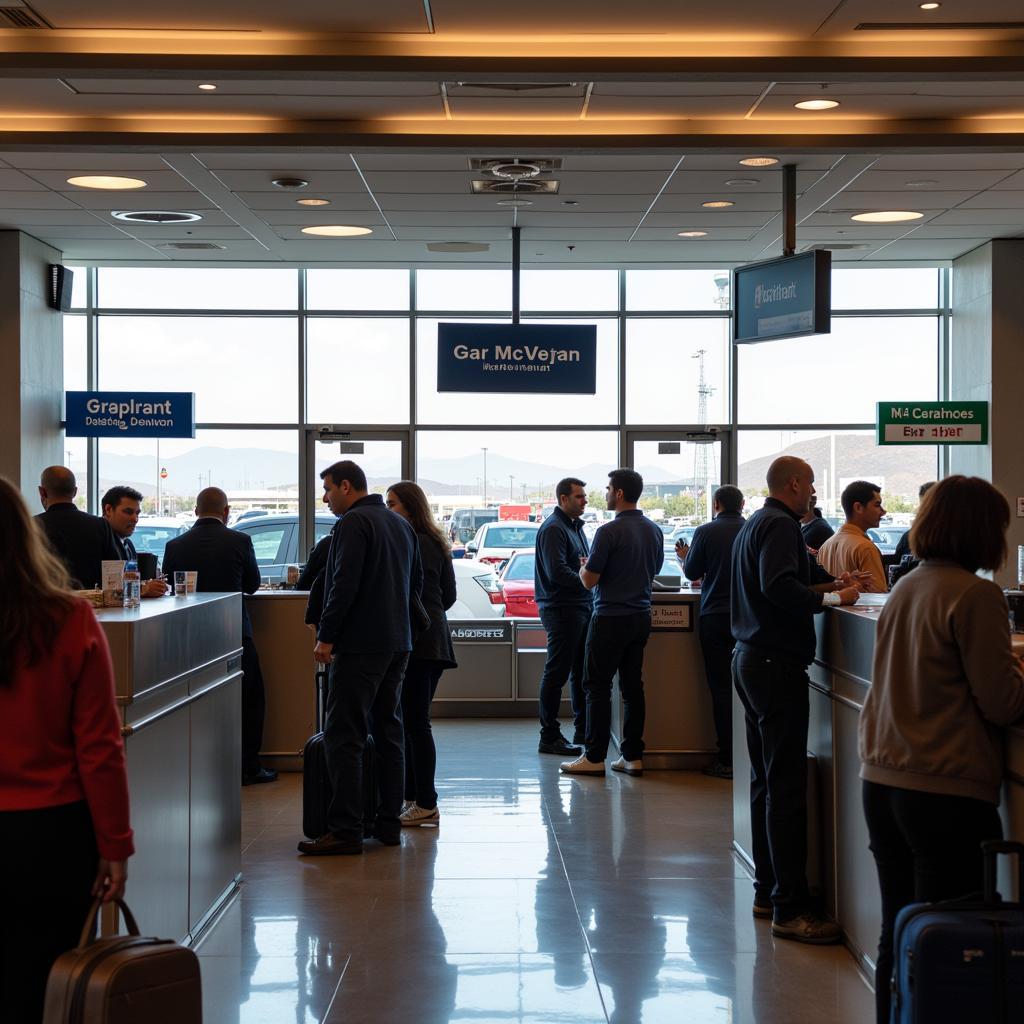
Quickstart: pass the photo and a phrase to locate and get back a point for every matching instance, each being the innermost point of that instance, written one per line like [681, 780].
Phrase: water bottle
[132, 584]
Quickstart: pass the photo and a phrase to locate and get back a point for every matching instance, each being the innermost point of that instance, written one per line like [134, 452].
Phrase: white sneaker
[406, 804]
[581, 766]
[620, 764]
[416, 815]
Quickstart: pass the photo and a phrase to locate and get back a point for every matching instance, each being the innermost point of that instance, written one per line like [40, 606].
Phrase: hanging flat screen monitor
[784, 298]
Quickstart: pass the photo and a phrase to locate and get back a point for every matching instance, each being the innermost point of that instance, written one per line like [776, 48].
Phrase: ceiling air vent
[530, 186]
[517, 86]
[837, 246]
[191, 246]
[457, 246]
[545, 165]
[19, 17]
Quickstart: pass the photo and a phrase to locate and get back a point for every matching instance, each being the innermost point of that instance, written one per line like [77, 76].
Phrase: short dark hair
[729, 497]
[564, 487]
[963, 519]
[629, 481]
[117, 494]
[860, 490]
[346, 470]
[925, 488]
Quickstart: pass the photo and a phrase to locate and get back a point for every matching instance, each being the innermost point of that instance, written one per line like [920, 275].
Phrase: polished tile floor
[540, 898]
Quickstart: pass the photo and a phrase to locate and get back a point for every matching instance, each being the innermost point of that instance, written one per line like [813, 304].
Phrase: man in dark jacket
[565, 607]
[773, 605]
[225, 561]
[81, 541]
[365, 636]
[709, 558]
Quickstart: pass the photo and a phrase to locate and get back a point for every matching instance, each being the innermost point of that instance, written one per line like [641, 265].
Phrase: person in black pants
[432, 653]
[709, 558]
[772, 607]
[626, 555]
[565, 607]
[365, 635]
[225, 560]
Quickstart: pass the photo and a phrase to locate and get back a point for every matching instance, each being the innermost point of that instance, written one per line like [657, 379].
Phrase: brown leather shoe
[329, 845]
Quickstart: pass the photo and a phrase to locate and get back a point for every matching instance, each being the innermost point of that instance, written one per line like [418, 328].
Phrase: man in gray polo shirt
[624, 558]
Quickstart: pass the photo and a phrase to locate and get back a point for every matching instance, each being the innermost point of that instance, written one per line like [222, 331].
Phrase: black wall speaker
[60, 287]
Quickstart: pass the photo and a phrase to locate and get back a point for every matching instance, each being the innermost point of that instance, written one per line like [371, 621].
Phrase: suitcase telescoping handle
[991, 850]
[89, 928]
[320, 697]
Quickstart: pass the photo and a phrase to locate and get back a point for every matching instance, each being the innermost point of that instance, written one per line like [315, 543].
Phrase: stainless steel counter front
[177, 667]
[839, 678]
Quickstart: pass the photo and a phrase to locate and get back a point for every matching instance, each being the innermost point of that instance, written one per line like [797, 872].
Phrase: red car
[515, 579]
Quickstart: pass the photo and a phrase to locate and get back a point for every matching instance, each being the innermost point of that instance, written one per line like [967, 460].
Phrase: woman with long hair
[432, 653]
[944, 681]
[64, 831]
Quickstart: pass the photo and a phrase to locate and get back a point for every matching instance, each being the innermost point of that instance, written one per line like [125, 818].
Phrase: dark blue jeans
[716, 645]
[615, 643]
[567, 647]
[364, 689]
[418, 689]
[777, 708]
[927, 847]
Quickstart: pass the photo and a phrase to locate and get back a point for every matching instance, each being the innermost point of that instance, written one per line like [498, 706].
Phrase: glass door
[681, 470]
[383, 456]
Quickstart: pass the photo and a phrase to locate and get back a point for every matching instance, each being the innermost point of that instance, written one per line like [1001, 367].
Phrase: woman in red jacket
[64, 832]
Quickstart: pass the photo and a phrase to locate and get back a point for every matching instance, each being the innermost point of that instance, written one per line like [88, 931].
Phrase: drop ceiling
[382, 108]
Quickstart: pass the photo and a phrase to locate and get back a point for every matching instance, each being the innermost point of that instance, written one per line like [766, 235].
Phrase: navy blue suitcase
[962, 961]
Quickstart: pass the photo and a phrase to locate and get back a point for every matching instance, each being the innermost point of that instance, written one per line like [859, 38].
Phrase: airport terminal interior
[280, 210]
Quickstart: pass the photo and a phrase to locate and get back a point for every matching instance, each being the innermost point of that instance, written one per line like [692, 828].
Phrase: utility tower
[701, 477]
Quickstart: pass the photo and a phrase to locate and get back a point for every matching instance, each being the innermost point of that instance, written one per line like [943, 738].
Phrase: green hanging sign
[932, 423]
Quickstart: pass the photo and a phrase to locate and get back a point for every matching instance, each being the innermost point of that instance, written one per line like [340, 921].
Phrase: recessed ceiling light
[107, 181]
[929, 6]
[887, 216]
[289, 182]
[759, 161]
[816, 104]
[515, 202]
[313, 202]
[207, 87]
[692, 234]
[718, 204]
[337, 230]
[155, 216]
[570, 202]
[922, 183]
[744, 181]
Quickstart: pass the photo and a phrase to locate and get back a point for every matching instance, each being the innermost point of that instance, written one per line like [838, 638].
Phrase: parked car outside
[276, 540]
[683, 533]
[515, 578]
[671, 571]
[464, 524]
[478, 595]
[153, 532]
[494, 542]
[887, 537]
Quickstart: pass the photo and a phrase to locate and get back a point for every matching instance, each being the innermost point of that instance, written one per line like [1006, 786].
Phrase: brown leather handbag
[124, 979]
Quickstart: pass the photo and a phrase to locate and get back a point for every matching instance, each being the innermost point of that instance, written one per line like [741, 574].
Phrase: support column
[31, 363]
[987, 364]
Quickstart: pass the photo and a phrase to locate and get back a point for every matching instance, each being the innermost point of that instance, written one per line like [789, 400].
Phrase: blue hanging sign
[782, 298]
[548, 359]
[130, 414]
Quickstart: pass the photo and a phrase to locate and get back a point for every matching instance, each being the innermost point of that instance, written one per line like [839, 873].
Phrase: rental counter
[501, 661]
[177, 666]
[839, 860]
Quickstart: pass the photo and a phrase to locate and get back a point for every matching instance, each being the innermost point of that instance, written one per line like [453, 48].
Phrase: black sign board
[783, 298]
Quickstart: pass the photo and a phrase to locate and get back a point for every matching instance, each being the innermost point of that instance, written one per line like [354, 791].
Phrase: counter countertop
[155, 607]
[277, 595]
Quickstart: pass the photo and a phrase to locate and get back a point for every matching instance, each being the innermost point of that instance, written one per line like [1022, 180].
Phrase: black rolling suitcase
[316, 783]
[962, 960]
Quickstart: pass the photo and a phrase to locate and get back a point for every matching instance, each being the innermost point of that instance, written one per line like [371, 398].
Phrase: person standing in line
[432, 653]
[121, 507]
[81, 541]
[225, 560]
[565, 607]
[851, 549]
[365, 635]
[65, 836]
[772, 607]
[710, 558]
[621, 567]
[944, 681]
[814, 526]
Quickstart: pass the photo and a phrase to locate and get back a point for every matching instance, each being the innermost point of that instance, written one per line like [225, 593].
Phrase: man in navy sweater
[709, 558]
[565, 606]
[773, 605]
[372, 576]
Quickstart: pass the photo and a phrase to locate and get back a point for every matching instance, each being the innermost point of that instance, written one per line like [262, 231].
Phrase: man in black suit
[226, 561]
[121, 507]
[82, 541]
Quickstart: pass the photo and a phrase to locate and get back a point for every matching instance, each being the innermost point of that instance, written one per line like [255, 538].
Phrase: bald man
[226, 561]
[772, 606]
[82, 541]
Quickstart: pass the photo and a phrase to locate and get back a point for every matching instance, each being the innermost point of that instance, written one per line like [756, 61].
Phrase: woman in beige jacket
[944, 681]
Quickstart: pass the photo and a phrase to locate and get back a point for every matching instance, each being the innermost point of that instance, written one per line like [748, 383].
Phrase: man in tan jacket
[850, 549]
